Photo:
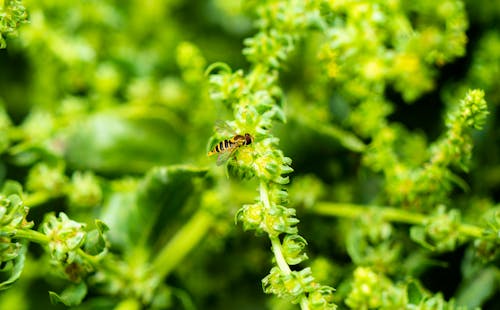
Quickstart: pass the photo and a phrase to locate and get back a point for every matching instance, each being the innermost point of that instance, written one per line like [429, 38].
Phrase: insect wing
[223, 129]
[224, 156]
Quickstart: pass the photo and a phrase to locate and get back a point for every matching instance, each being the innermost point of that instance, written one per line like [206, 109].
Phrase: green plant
[12, 15]
[373, 123]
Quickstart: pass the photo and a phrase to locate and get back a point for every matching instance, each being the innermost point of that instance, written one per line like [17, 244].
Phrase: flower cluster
[371, 290]
[105, 117]
[487, 246]
[426, 182]
[256, 101]
[294, 285]
[12, 14]
[66, 238]
[372, 44]
[441, 232]
[13, 214]
[85, 190]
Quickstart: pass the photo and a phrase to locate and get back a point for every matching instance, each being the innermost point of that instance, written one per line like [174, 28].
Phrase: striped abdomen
[222, 146]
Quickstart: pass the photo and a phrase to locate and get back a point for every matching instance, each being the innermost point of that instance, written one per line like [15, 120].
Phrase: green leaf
[110, 144]
[17, 268]
[101, 227]
[477, 289]
[162, 193]
[12, 188]
[418, 234]
[95, 242]
[134, 214]
[415, 293]
[118, 210]
[71, 296]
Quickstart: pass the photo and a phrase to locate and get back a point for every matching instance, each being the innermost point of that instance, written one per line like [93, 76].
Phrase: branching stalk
[348, 210]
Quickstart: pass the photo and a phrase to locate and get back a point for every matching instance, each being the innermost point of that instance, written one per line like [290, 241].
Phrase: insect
[227, 147]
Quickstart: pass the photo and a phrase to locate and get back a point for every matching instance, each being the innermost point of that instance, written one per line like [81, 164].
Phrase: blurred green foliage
[380, 114]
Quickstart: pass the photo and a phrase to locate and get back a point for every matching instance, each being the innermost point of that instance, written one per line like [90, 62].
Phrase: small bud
[85, 190]
[251, 215]
[47, 178]
[293, 247]
[65, 236]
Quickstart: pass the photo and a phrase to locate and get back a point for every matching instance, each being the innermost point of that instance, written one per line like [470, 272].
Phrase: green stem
[386, 213]
[355, 211]
[275, 240]
[264, 197]
[258, 71]
[91, 259]
[346, 138]
[27, 234]
[471, 230]
[278, 255]
[304, 303]
[180, 245]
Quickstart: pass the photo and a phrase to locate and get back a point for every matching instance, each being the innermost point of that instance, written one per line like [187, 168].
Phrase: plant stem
[27, 234]
[180, 245]
[278, 254]
[90, 259]
[276, 245]
[346, 138]
[390, 214]
[304, 303]
[264, 197]
[354, 211]
[471, 230]
[275, 240]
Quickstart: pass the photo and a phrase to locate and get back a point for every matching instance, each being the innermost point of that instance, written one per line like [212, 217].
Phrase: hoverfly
[227, 147]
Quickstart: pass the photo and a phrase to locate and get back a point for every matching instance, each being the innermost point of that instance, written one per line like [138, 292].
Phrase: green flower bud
[252, 216]
[226, 86]
[65, 237]
[279, 196]
[12, 15]
[85, 190]
[13, 214]
[366, 288]
[441, 232]
[293, 249]
[279, 220]
[474, 110]
[288, 285]
[8, 250]
[321, 298]
[46, 178]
